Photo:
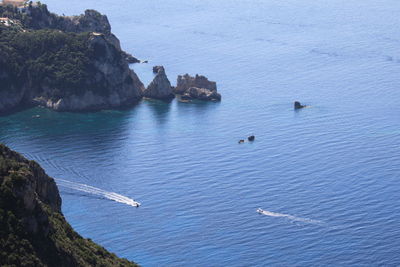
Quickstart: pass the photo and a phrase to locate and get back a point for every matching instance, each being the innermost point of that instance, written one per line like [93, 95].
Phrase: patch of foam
[98, 192]
[290, 217]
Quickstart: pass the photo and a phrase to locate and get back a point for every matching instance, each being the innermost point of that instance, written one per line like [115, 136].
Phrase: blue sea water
[329, 174]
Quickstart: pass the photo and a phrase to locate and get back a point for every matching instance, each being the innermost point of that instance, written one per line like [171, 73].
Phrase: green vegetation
[33, 232]
[31, 17]
[48, 58]
[39, 53]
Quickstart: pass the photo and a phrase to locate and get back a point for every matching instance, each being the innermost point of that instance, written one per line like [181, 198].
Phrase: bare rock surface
[160, 87]
[198, 87]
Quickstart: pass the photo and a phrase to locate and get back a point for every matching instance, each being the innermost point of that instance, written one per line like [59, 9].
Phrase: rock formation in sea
[64, 63]
[33, 229]
[200, 94]
[198, 87]
[160, 87]
[298, 105]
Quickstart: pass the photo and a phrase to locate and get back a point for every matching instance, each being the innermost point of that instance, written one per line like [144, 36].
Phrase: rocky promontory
[64, 63]
[198, 87]
[75, 63]
[33, 230]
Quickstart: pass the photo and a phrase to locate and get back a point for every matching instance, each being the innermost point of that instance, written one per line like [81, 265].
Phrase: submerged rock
[297, 105]
[160, 87]
[198, 87]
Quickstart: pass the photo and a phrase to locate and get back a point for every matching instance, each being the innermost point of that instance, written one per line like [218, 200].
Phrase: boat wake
[290, 217]
[98, 192]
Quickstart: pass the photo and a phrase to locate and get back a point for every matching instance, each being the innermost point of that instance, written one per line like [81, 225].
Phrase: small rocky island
[198, 87]
[33, 230]
[160, 87]
[188, 88]
[298, 105]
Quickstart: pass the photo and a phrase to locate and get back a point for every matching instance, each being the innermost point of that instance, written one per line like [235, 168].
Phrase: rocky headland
[64, 63]
[75, 63]
[33, 230]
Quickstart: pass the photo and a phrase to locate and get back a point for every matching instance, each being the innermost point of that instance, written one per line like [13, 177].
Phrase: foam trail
[98, 192]
[290, 217]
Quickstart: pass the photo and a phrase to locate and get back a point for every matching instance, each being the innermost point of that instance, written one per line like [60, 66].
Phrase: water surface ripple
[336, 162]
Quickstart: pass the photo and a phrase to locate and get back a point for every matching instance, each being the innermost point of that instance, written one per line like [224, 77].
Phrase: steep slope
[64, 63]
[33, 230]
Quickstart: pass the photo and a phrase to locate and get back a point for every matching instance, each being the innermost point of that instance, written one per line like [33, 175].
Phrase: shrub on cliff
[48, 58]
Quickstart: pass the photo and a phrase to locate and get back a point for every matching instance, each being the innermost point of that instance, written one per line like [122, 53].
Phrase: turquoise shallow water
[333, 168]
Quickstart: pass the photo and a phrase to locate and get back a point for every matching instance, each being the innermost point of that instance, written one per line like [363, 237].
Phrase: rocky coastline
[102, 78]
[86, 68]
[34, 231]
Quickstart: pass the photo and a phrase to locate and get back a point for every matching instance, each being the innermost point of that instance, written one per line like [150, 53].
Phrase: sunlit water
[335, 163]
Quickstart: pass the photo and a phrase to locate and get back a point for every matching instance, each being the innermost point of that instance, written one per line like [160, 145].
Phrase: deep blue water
[334, 166]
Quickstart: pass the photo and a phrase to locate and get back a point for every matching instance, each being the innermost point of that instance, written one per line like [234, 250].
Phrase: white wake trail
[98, 192]
[290, 217]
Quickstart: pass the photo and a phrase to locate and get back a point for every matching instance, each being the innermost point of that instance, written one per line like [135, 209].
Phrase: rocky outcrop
[34, 231]
[130, 59]
[38, 17]
[298, 105]
[186, 81]
[91, 21]
[160, 87]
[198, 87]
[201, 94]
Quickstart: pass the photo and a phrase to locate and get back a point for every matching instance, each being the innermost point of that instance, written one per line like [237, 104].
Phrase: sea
[326, 177]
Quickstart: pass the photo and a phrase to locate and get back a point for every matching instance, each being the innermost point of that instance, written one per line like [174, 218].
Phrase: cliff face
[112, 84]
[33, 231]
[38, 17]
[64, 63]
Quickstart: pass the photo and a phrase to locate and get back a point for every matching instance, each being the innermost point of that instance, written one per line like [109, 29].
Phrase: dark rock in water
[160, 87]
[198, 87]
[156, 69]
[297, 105]
[251, 138]
[241, 141]
[34, 231]
[186, 81]
[201, 94]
